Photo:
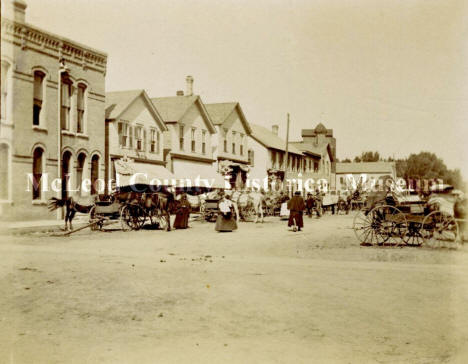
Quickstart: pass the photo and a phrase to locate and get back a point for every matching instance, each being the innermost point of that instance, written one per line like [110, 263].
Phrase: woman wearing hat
[296, 207]
[226, 222]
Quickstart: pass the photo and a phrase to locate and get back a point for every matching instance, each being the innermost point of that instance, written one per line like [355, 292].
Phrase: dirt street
[261, 294]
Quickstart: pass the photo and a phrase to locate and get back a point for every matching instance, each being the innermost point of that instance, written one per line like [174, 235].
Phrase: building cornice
[28, 36]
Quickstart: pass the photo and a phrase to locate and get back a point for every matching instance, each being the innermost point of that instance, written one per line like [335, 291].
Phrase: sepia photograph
[233, 181]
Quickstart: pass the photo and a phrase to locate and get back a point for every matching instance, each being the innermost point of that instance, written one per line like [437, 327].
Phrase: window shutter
[144, 140]
[130, 136]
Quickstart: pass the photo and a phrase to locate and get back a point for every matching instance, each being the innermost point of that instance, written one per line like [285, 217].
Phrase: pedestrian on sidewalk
[226, 220]
[296, 207]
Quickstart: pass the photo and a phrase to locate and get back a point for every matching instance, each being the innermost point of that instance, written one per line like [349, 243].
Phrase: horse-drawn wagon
[392, 219]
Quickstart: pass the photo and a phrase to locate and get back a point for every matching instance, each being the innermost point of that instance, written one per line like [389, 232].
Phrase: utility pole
[287, 154]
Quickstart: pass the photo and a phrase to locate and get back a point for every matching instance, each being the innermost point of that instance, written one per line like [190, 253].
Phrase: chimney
[274, 129]
[189, 80]
[180, 93]
[16, 10]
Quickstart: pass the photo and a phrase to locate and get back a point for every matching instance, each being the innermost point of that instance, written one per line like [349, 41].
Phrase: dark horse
[71, 206]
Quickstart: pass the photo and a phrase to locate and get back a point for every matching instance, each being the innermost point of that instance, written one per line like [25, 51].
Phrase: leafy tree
[347, 160]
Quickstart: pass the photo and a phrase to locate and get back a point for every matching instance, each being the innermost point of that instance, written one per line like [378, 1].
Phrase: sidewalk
[24, 227]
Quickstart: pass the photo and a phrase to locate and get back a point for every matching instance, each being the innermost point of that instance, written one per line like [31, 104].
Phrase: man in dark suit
[296, 207]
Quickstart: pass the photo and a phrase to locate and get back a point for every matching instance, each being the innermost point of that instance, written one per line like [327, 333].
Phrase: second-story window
[181, 137]
[203, 146]
[65, 107]
[242, 144]
[80, 108]
[38, 96]
[225, 142]
[154, 141]
[139, 138]
[4, 90]
[316, 166]
[193, 140]
[251, 156]
[125, 135]
[233, 142]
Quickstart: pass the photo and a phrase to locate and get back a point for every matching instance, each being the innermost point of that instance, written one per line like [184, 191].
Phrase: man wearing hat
[296, 207]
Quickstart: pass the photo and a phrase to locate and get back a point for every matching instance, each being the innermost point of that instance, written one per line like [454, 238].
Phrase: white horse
[246, 199]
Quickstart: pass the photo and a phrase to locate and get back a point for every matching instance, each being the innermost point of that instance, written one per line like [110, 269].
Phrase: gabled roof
[117, 102]
[173, 108]
[365, 167]
[270, 140]
[314, 149]
[308, 148]
[221, 111]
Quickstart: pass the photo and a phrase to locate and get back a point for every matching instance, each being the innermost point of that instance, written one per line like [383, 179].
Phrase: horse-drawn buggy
[389, 218]
[133, 206]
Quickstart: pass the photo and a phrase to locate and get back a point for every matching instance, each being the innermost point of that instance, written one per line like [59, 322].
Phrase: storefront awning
[133, 173]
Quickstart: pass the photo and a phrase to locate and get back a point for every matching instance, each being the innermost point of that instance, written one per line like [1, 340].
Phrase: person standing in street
[228, 216]
[296, 207]
[183, 213]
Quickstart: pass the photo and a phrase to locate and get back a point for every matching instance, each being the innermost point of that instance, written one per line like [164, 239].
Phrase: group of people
[228, 217]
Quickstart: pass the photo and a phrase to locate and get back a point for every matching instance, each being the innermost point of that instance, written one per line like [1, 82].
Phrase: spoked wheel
[132, 217]
[439, 227]
[390, 225]
[362, 226]
[414, 234]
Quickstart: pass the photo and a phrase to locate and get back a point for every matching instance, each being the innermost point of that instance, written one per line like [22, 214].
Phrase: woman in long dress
[226, 221]
[182, 214]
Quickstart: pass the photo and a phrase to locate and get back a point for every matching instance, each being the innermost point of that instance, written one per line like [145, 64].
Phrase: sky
[390, 76]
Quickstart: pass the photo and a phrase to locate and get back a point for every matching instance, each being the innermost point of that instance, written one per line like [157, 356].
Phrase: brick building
[52, 111]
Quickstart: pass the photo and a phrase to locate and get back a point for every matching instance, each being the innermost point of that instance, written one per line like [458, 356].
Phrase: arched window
[94, 174]
[80, 108]
[4, 89]
[4, 171]
[39, 78]
[38, 156]
[79, 171]
[66, 158]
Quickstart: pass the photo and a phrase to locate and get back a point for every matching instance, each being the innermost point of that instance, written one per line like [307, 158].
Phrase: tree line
[424, 165]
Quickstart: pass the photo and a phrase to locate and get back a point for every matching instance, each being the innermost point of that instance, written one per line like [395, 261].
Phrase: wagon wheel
[390, 225]
[248, 213]
[362, 226]
[132, 217]
[415, 234]
[439, 227]
[93, 216]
